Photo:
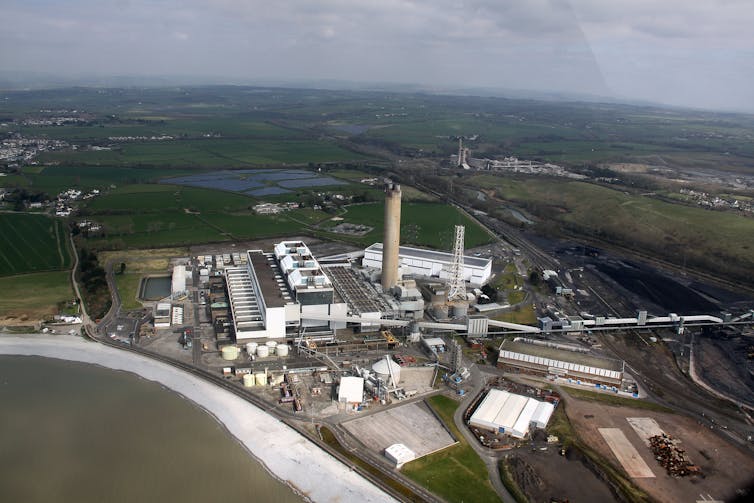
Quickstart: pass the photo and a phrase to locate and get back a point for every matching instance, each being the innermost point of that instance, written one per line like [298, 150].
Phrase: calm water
[81, 433]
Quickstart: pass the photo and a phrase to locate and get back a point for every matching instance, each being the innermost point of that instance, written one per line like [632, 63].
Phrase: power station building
[269, 296]
[430, 263]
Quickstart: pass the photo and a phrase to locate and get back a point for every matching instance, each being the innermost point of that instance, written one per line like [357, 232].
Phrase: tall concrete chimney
[392, 238]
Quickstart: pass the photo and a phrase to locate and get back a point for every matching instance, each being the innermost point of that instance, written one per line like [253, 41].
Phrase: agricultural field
[33, 296]
[150, 216]
[423, 224]
[32, 243]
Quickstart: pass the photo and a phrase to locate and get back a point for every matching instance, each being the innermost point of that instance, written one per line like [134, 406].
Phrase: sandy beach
[286, 454]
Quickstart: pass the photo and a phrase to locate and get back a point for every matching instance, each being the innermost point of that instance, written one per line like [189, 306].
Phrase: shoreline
[287, 455]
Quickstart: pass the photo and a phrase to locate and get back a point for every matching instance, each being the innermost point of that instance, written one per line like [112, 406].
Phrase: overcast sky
[697, 53]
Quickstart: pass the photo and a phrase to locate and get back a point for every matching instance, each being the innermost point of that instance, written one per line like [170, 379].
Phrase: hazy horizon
[671, 53]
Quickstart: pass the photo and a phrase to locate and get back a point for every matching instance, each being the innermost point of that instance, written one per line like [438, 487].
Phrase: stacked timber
[671, 457]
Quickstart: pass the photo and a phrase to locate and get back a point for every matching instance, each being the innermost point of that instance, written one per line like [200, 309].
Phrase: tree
[534, 278]
[122, 267]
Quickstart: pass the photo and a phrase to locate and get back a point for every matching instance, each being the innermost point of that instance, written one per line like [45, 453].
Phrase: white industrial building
[178, 281]
[351, 390]
[431, 263]
[504, 412]
[272, 292]
[399, 454]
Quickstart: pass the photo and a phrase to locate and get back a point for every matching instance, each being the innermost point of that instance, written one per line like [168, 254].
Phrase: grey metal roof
[433, 255]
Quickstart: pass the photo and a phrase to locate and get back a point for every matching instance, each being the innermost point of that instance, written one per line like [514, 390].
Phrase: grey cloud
[587, 46]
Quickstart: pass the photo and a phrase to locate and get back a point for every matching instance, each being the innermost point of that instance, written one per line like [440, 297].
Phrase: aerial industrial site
[346, 345]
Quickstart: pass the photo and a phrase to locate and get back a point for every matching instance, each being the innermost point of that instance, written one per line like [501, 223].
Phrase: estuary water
[76, 432]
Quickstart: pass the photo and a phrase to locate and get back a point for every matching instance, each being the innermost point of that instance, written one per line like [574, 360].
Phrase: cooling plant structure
[392, 236]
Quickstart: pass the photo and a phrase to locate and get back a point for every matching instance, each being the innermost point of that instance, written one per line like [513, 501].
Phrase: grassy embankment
[455, 473]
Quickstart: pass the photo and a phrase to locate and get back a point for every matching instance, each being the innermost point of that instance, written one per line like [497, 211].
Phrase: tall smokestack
[392, 238]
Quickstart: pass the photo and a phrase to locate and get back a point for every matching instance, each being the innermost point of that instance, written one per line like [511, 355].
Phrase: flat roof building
[431, 263]
[521, 357]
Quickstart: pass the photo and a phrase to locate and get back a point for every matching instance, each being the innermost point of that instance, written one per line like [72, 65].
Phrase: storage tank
[230, 352]
[460, 309]
[382, 369]
[251, 347]
[263, 351]
[248, 380]
[282, 349]
[260, 378]
[271, 345]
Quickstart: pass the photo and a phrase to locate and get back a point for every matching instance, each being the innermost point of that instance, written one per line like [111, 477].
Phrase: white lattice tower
[457, 290]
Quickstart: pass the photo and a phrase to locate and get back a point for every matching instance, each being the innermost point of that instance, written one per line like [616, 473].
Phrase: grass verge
[616, 400]
[456, 473]
[509, 483]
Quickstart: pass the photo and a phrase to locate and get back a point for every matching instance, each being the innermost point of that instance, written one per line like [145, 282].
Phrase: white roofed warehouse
[504, 412]
[431, 263]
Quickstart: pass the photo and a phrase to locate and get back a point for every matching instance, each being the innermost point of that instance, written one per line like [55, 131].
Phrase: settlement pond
[78, 432]
[256, 182]
[155, 287]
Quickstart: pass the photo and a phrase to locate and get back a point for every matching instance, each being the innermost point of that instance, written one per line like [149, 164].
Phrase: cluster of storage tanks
[254, 349]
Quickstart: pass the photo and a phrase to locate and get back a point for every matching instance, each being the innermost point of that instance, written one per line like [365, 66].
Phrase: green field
[210, 153]
[423, 224]
[32, 243]
[151, 216]
[34, 295]
[456, 473]
[702, 239]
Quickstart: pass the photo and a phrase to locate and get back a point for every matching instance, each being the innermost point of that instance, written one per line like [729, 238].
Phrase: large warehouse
[520, 357]
[431, 263]
[504, 412]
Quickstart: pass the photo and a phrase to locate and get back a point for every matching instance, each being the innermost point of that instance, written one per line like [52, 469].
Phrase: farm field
[423, 224]
[32, 243]
[209, 153]
[150, 216]
[54, 179]
[34, 295]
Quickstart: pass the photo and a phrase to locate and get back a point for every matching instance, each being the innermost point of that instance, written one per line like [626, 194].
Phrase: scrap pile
[671, 457]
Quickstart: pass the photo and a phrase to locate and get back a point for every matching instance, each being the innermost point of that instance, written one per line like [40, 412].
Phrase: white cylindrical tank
[251, 347]
[271, 345]
[383, 371]
[261, 378]
[229, 352]
[263, 351]
[248, 380]
[276, 380]
[282, 349]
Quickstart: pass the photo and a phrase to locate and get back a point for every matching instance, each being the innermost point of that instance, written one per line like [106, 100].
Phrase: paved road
[478, 379]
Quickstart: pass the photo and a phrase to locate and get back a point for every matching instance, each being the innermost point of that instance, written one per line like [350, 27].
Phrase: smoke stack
[392, 238]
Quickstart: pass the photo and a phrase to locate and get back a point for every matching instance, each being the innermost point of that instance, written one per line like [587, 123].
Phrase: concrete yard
[645, 427]
[626, 453]
[412, 424]
[417, 378]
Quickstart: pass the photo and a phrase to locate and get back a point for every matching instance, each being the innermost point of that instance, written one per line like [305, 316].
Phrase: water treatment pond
[256, 182]
[155, 288]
